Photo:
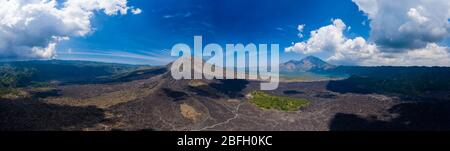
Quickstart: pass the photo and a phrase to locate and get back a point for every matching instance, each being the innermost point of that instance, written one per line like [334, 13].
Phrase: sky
[344, 32]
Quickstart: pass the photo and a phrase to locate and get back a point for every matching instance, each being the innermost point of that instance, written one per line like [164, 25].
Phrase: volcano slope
[153, 100]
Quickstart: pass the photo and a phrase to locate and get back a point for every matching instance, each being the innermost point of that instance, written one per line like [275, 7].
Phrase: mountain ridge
[307, 64]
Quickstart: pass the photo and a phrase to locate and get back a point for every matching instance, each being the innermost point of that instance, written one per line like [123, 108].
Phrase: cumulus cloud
[332, 40]
[33, 28]
[407, 24]
[327, 38]
[357, 51]
[403, 32]
[300, 29]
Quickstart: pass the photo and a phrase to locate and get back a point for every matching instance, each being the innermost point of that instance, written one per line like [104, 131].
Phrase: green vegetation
[267, 101]
[4, 91]
[12, 93]
[40, 84]
[39, 73]
[411, 81]
[14, 77]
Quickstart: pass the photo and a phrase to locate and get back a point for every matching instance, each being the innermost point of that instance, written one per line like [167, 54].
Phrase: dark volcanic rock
[20, 115]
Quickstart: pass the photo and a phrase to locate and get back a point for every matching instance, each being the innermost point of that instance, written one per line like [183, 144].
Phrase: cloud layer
[403, 33]
[407, 24]
[32, 28]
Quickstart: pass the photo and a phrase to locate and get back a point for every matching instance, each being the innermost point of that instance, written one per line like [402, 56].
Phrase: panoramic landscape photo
[231, 65]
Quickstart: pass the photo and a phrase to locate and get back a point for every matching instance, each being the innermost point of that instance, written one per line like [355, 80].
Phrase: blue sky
[164, 23]
[344, 32]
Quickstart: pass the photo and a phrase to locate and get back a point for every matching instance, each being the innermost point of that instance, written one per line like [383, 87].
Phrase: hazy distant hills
[132, 97]
[308, 64]
[411, 81]
[404, 80]
[23, 73]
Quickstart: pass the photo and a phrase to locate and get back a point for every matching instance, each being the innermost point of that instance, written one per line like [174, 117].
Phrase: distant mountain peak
[313, 58]
[307, 64]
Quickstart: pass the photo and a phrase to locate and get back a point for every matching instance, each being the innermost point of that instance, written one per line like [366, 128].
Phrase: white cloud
[403, 32]
[168, 16]
[33, 28]
[402, 25]
[118, 56]
[327, 38]
[300, 29]
[417, 16]
[431, 55]
[183, 15]
[343, 50]
[136, 11]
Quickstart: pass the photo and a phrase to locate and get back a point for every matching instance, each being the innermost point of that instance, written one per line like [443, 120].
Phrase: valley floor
[161, 103]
